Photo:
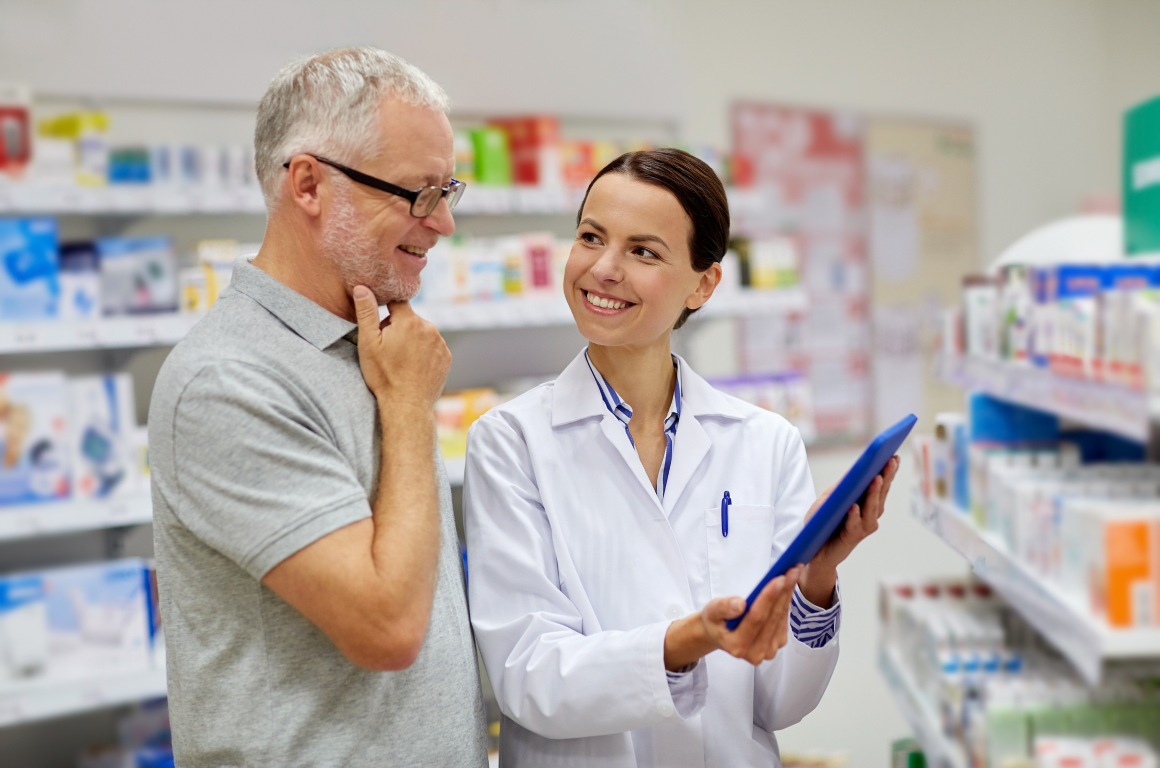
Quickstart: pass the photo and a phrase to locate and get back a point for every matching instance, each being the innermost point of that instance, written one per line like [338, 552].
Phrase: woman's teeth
[412, 250]
[604, 303]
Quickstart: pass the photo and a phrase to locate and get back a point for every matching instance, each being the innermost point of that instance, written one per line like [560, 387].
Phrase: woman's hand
[817, 583]
[762, 633]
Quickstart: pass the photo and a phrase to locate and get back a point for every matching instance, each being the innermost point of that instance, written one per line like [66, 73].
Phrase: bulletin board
[922, 206]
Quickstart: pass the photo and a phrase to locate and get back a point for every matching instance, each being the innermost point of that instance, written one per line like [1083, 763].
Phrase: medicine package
[33, 438]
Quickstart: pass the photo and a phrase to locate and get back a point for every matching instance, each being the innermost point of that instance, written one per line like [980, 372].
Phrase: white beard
[347, 245]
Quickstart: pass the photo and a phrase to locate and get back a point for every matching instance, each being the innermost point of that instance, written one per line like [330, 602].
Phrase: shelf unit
[107, 333]
[28, 702]
[49, 519]
[940, 751]
[539, 312]
[1107, 407]
[1087, 641]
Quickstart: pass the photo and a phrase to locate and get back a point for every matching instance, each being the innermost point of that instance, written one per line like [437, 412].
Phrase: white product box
[23, 628]
[75, 623]
[98, 620]
[102, 413]
[33, 438]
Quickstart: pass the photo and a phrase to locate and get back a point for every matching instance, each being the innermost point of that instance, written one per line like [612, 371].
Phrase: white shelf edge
[533, 312]
[1085, 640]
[128, 199]
[1108, 407]
[28, 702]
[18, 337]
[455, 468]
[940, 751]
[51, 518]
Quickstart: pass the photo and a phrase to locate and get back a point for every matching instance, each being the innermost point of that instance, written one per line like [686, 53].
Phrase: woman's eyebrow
[595, 226]
[647, 239]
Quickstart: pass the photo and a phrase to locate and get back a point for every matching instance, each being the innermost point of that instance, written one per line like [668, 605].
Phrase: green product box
[1142, 178]
[906, 753]
[493, 157]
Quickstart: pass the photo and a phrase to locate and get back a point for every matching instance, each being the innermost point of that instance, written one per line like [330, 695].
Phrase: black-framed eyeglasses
[423, 200]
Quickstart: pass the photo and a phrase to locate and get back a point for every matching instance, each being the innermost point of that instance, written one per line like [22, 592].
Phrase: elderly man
[309, 573]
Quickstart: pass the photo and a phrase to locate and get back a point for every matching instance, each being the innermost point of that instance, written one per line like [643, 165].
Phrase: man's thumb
[366, 309]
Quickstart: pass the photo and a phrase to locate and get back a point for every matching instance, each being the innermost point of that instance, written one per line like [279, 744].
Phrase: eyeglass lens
[429, 198]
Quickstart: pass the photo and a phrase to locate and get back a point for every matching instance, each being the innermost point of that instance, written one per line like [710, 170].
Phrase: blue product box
[29, 269]
[996, 421]
[23, 628]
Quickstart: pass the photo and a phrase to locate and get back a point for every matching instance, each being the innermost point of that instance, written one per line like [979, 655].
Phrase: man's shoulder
[237, 343]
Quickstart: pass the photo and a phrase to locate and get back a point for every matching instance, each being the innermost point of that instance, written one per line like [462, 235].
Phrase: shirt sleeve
[256, 474]
[814, 626]
[688, 688]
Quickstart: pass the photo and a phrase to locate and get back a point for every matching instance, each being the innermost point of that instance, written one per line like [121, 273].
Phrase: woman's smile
[603, 304]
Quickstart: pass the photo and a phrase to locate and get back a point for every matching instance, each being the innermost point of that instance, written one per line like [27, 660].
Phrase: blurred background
[939, 208]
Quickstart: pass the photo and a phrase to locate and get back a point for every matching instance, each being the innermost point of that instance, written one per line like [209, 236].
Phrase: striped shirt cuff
[814, 626]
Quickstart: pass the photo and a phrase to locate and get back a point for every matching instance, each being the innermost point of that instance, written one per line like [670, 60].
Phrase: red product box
[534, 143]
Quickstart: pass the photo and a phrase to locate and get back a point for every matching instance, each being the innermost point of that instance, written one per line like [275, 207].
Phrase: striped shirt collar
[623, 411]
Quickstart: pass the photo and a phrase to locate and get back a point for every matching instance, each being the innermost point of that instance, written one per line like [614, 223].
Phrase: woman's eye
[589, 237]
[646, 253]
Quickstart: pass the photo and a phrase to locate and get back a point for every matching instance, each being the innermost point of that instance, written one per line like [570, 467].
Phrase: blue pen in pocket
[725, 502]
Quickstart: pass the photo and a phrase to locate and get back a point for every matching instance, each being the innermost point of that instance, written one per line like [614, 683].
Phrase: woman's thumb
[724, 608]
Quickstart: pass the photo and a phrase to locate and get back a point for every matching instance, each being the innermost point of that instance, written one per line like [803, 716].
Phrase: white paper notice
[894, 232]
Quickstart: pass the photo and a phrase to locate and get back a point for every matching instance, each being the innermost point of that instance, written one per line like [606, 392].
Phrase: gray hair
[328, 104]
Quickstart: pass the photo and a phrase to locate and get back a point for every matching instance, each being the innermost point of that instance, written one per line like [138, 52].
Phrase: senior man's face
[370, 235]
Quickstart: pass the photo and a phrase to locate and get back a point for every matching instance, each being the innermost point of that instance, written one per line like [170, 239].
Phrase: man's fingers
[366, 310]
[400, 308]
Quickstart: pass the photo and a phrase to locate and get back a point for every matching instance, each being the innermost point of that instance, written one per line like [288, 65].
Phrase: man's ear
[305, 180]
[710, 279]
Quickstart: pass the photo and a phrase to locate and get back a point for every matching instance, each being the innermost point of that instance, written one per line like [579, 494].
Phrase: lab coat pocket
[738, 561]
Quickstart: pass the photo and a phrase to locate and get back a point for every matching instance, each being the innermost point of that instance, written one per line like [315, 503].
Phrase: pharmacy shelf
[132, 199]
[128, 199]
[25, 702]
[940, 751]
[48, 519]
[538, 312]
[1107, 407]
[107, 333]
[1087, 641]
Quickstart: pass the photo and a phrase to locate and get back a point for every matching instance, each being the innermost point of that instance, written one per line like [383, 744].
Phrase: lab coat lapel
[690, 447]
[576, 397]
[692, 443]
[613, 429]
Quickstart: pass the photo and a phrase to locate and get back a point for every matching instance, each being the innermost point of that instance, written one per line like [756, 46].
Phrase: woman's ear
[710, 279]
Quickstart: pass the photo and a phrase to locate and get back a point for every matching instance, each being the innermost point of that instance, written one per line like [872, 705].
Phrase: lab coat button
[665, 709]
[673, 612]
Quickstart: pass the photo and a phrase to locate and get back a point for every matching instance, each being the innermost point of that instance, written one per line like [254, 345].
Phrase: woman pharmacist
[601, 575]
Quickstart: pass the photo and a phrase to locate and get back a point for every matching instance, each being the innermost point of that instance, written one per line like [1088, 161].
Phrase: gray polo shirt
[264, 438]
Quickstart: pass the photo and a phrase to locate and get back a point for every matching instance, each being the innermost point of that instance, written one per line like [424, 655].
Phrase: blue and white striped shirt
[811, 625]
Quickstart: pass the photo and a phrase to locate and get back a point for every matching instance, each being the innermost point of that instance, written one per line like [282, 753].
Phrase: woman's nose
[608, 268]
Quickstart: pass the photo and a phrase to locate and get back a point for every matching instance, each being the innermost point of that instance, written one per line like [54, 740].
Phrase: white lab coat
[575, 571]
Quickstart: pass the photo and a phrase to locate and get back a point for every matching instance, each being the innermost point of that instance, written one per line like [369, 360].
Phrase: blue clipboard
[833, 511]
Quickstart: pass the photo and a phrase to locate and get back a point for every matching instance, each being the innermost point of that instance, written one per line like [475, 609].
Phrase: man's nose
[441, 219]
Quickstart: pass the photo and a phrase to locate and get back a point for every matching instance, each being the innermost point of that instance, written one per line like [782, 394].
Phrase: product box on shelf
[1118, 342]
[88, 132]
[787, 394]
[1142, 178]
[78, 622]
[138, 275]
[981, 316]
[15, 130]
[493, 161]
[29, 277]
[535, 149]
[34, 430]
[103, 422]
[455, 412]
[80, 281]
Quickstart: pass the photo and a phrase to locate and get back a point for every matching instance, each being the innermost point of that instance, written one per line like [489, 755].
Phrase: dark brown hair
[696, 188]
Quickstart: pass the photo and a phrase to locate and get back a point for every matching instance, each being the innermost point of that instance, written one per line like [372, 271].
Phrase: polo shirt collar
[318, 326]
